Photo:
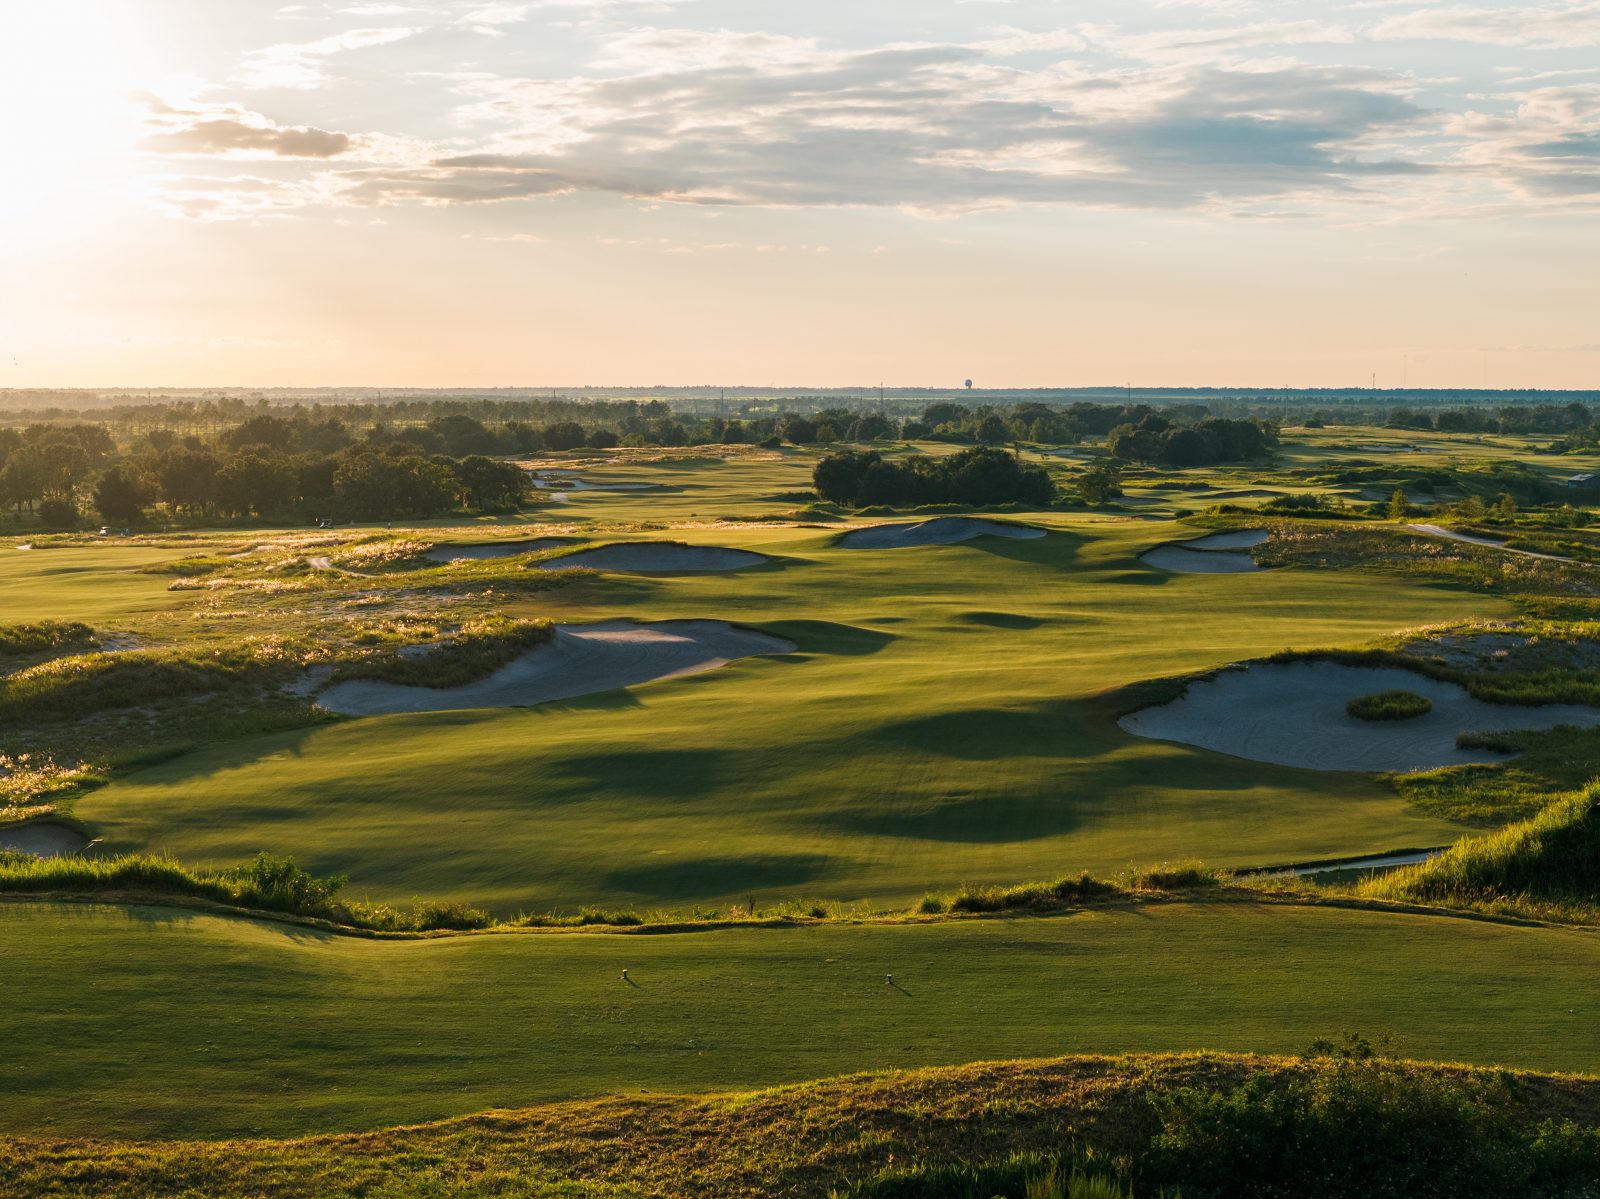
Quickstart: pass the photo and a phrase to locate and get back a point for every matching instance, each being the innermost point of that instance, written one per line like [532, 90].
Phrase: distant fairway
[934, 729]
[100, 585]
[151, 1021]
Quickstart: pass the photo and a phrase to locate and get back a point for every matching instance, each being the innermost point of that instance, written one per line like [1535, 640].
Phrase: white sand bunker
[581, 660]
[657, 558]
[493, 549]
[941, 530]
[43, 839]
[1293, 714]
[1216, 554]
[565, 481]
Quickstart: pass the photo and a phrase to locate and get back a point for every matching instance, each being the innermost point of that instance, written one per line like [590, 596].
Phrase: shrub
[59, 514]
[1389, 705]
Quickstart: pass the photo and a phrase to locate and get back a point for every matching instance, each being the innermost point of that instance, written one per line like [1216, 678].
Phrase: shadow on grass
[644, 773]
[696, 877]
[1000, 620]
[829, 637]
[972, 820]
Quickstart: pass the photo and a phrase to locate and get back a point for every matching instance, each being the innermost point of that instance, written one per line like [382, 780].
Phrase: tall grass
[43, 637]
[264, 884]
[1545, 866]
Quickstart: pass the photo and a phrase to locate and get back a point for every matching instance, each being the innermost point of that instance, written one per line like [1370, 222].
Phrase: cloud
[302, 64]
[1552, 26]
[235, 132]
[739, 119]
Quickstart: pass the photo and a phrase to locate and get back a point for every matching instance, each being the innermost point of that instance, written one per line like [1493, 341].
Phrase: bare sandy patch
[941, 530]
[44, 839]
[580, 660]
[1293, 714]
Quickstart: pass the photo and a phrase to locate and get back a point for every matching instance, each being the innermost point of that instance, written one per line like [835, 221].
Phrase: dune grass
[295, 1031]
[1545, 867]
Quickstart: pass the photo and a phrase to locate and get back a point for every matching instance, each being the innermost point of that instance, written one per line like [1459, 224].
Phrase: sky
[475, 193]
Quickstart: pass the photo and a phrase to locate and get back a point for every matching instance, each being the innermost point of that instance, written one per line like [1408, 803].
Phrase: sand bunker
[1293, 714]
[941, 530]
[493, 549]
[581, 660]
[1215, 554]
[657, 558]
[1249, 493]
[44, 839]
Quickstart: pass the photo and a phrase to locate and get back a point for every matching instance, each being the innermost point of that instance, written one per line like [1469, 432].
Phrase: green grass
[846, 1136]
[1547, 866]
[100, 585]
[939, 726]
[1389, 705]
[118, 1017]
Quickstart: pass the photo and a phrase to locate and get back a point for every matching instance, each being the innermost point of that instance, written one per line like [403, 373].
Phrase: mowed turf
[100, 585]
[158, 1022]
[936, 727]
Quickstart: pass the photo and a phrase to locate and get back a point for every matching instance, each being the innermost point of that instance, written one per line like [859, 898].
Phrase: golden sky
[613, 192]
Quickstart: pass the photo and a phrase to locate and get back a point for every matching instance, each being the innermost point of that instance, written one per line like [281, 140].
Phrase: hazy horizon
[1024, 192]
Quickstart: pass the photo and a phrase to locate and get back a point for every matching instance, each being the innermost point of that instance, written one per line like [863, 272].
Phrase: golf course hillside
[608, 815]
[1215, 1125]
[889, 722]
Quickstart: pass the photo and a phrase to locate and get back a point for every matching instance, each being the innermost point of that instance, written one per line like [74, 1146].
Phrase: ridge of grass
[1545, 867]
[1153, 1115]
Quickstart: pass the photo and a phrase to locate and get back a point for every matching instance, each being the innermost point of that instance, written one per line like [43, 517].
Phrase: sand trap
[1214, 554]
[493, 549]
[657, 558]
[582, 660]
[1251, 493]
[941, 530]
[1292, 714]
[44, 839]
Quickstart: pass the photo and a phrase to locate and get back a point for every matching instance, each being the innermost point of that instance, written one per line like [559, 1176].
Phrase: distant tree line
[976, 477]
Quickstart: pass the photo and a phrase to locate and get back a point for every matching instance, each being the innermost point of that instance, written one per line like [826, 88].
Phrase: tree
[1505, 508]
[121, 495]
[564, 435]
[992, 430]
[1399, 505]
[491, 486]
[1101, 482]
[797, 430]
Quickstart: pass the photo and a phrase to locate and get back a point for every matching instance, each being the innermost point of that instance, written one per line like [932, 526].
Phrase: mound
[1554, 856]
[493, 549]
[941, 530]
[657, 558]
[43, 839]
[1214, 554]
[580, 660]
[813, 1139]
[1293, 714]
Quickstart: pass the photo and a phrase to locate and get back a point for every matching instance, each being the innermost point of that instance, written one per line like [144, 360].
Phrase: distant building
[1584, 482]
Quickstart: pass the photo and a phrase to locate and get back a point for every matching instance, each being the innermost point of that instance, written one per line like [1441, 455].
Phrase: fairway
[937, 726]
[295, 1030]
[100, 585]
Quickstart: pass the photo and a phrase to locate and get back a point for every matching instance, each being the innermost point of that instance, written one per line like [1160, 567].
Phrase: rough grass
[265, 884]
[474, 651]
[1389, 705]
[879, 1135]
[1544, 867]
[45, 636]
